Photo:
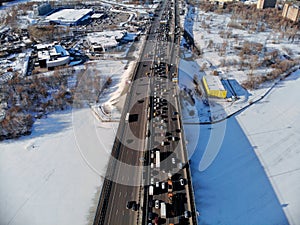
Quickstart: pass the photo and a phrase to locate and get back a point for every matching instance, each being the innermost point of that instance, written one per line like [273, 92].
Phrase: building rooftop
[106, 39]
[57, 50]
[68, 16]
[214, 83]
[97, 15]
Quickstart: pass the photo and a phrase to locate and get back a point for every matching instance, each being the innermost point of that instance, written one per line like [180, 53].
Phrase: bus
[157, 159]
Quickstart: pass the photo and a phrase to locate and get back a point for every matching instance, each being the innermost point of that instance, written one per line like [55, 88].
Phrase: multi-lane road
[149, 150]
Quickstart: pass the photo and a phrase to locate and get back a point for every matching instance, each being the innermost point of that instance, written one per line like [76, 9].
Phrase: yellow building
[213, 87]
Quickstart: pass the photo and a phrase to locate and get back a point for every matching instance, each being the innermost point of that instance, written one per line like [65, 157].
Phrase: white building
[69, 16]
[52, 56]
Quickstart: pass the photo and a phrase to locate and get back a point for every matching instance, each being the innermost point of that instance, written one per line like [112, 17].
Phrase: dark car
[187, 214]
[135, 207]
[129, 204]
[151, 203]
[150, 216]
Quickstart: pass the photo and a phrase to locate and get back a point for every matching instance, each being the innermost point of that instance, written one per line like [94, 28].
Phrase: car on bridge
[129, 204]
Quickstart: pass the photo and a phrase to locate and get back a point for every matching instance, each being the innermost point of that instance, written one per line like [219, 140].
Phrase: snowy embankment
[246, 169]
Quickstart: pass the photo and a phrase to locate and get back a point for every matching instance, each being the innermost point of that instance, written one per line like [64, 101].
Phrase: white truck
[163, 210]
[157, 159]
[151, 189]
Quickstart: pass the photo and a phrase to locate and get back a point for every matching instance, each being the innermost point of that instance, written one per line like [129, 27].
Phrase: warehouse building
[70, 17]
[103, 41]
[213, 87]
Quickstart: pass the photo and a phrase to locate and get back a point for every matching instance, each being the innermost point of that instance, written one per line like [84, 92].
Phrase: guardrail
[188, 172]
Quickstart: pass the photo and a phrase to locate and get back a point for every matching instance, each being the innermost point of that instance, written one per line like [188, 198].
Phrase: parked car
[150, 216]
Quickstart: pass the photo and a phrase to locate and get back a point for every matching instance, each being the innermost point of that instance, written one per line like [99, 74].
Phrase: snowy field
[52, 176]
[230, 184]
[273, 128]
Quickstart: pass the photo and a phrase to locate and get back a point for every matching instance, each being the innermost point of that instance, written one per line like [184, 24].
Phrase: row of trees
[31, 97]
[47, 33]
[248, 17]
[280, 68]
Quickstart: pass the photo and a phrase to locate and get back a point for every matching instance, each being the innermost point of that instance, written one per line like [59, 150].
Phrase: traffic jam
[167, 201]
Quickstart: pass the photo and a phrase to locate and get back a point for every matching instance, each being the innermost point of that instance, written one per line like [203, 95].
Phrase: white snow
[230, 184]
[51, 176]
[54, 175]
[273, 127]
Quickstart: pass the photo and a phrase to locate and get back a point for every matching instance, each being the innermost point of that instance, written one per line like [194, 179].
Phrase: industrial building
[213, 87]
[263, 4]
[291, 11]
[103, 41]
[70, 17]
[52, 56]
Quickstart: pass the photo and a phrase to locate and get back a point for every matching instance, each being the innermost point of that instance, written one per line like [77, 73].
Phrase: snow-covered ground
[209, 27]
[230, 184]
[273, 129]
[246, 169]
[52, 176]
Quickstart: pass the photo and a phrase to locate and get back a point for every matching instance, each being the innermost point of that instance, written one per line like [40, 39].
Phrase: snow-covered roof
[55, 56]
[214, 83]
[68, 16]
[97, 15]
[42, 46]
[105, 39]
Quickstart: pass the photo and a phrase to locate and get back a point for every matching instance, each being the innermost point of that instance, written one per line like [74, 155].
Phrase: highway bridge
[148, 177]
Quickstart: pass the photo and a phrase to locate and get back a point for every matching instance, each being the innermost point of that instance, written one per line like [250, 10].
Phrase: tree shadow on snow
[54, 123]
